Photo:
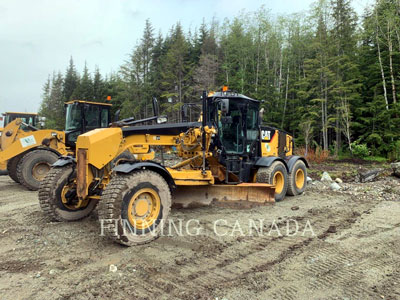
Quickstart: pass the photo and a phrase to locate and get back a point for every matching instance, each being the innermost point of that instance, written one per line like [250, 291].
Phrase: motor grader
[29, 152]
[228, 156]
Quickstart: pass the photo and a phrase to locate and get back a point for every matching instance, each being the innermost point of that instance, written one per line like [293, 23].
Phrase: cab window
[104, 117]
[92, 114]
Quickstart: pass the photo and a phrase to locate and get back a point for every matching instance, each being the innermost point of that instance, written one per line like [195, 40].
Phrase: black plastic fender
[291, 160]
[127, 167]
[63, 161]
[267, 161]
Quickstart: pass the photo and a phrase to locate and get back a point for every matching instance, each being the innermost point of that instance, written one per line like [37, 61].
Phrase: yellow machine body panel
[269, 144]
[15, 141]
[101, 145]
[276, 143]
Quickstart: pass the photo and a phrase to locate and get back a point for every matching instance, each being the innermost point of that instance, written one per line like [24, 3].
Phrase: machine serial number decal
[27, 141]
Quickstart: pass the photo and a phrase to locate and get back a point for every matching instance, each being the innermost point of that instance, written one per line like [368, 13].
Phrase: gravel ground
[346, 247]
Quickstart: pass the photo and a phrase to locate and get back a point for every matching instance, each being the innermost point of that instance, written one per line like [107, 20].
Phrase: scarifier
[228, 157]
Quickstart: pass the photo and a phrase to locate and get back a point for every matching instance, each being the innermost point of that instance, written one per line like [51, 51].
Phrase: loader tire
[275, 174]
[134, 207]
[297, 179]
[52, 193]
[33, 168]
[12, 165]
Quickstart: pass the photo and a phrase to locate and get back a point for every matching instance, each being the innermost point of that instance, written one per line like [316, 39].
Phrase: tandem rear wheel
[297, 179]
[292, 184]
[277, 175]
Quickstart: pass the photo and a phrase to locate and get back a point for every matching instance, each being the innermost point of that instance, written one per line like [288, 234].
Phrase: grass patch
[376, 159]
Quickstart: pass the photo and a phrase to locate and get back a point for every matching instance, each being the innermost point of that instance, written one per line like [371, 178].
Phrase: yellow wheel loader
[7, 117]
[29, 152]
[228, 157]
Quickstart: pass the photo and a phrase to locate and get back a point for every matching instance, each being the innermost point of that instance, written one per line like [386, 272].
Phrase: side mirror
[116, 115]
[184, 113]
[156, 108]
[162, 120]
[224, 106]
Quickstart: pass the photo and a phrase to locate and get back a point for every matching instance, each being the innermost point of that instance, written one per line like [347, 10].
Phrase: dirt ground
[347, 246]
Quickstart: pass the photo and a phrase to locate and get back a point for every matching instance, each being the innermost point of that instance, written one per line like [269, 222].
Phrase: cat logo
[265, 134]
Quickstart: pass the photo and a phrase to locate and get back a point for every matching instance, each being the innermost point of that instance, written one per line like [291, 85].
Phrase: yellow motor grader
[228, 156]
[28, 152]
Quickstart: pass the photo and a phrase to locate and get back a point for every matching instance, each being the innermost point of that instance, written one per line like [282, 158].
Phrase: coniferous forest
[329, 77]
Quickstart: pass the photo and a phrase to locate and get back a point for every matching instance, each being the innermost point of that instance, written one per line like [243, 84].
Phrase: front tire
[134, 207]
[53, 200]
[275, 174]
[34, 166]
[297, 179]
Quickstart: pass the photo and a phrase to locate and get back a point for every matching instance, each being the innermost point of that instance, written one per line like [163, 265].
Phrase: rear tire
[134, 207]
[33, 168]
[275, 174]
[297, 179]
[51, 199]
[12, 166]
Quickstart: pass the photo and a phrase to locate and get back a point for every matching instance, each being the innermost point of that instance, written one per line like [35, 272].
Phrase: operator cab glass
[230, 128]
[83, 117]
[252, 128]
[237, 124]
[29, 119]
[73, 117]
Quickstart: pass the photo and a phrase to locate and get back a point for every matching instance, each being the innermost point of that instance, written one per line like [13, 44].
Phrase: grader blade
[240, 195]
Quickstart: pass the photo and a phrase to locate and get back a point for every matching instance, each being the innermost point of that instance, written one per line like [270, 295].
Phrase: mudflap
[244, 195]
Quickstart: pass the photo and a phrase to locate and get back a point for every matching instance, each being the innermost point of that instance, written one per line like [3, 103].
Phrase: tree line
[328, 77]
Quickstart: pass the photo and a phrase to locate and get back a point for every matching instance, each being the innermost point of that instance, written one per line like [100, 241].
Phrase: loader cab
[83, 116]
[30, 119]
[236, 118]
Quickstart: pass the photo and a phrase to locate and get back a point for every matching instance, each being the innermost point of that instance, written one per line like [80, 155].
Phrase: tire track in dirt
[206, 267]
[225, 269]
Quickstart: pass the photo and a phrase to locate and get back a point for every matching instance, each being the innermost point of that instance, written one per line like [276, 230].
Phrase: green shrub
[360, 150]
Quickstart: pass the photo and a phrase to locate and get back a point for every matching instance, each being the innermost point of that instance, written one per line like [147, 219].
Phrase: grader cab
[228, 157]
[28, 152]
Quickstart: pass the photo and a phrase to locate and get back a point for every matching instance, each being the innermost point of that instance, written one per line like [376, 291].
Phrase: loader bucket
[242, 195]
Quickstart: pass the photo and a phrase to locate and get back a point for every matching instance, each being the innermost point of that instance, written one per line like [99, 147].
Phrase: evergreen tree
[85, 89]
[325, 80]
[71, 81]
[99, 87]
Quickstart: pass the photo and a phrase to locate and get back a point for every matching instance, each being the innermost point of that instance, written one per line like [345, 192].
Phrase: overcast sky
[39, 36]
